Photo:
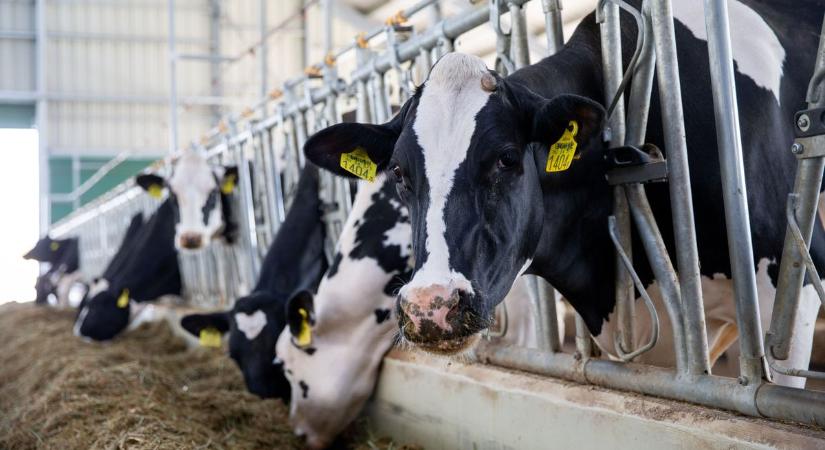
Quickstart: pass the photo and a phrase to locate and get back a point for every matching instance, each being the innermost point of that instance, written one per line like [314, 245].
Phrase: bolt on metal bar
[791, 270]
[687, 255]
[734, 190]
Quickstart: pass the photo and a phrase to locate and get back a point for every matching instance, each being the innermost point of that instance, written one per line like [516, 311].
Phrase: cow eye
[398, 173]
[507, 160]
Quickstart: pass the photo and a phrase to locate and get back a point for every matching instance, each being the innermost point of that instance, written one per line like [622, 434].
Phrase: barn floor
[144, 390]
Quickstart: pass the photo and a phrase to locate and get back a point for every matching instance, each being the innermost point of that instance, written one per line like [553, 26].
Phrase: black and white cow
[144, 268]
[469, 152]
[200, 198]
[294, 262]
[336, 338]
[63, 258]
[332, 351]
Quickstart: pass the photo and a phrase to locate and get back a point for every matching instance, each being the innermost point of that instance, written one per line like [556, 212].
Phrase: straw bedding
[144, 390]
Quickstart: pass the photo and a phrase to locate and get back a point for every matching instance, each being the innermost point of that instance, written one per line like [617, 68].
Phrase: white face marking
[192, 182]
[399, 235]
[756, 49]
[346, 334]
[444, 125]
[98, 287]
[251, 324]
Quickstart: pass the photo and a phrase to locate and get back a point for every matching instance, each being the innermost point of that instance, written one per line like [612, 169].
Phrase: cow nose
[191, 240]
[426, 310]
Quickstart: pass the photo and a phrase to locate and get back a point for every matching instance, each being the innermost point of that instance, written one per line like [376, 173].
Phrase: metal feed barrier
[266, 147]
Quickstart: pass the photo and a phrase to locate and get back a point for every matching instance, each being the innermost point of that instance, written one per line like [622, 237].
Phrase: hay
[145, 390]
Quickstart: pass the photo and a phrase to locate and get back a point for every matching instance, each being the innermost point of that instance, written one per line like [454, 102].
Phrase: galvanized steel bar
[791, 270]
[687, 255]
[734, 191]
[553, 25]
[173, 80]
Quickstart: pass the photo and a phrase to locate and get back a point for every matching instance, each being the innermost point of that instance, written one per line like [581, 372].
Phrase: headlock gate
[265, 142]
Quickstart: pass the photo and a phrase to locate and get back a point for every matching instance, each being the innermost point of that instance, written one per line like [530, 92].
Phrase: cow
[200, 196]
[63, 258]
[144, 269]
[469, 153]
[349, 324]
[335, 339]
[295, 261]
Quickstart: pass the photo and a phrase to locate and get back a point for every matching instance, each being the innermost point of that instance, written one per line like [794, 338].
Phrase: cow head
[104, 312]
[468, 152]
[349, 323]
[253, 325]
[199, 193]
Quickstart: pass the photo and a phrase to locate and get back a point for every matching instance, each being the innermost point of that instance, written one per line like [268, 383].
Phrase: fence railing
[267, 150]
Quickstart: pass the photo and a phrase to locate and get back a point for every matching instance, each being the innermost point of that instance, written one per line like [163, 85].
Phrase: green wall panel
[60, 176]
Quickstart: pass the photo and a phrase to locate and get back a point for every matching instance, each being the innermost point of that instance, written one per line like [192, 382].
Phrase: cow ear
[300, 316]
[355, 149]
[229, 179]
[151, 183]
[582, 117]
[194, 323]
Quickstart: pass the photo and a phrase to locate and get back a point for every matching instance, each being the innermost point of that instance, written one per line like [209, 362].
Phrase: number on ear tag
[155, 191]
[358, 163]
[564, 150]
[304, 337]
[123, 300]
[228, 184]
[210, 337]
[54, 246]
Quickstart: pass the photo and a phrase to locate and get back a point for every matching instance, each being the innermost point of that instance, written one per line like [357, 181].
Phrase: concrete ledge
[444, 404]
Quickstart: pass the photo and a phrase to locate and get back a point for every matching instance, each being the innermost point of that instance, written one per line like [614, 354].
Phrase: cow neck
[575, 252]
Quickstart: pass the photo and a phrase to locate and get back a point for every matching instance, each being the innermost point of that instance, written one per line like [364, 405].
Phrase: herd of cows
[463, 204]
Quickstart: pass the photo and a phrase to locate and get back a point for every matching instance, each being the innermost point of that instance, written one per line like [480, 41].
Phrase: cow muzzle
[191, 241]
[439, 319]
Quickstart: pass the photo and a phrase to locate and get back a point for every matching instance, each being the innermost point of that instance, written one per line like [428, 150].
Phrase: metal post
[519, 48]
[687, 256]
[263, 57]
[42, 117]
[553, 25]
[611, 42]
[214, 52]
[792, 271]
[173, 80]
[734, 191]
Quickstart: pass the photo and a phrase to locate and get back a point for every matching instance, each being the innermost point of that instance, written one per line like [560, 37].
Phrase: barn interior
[140, 309]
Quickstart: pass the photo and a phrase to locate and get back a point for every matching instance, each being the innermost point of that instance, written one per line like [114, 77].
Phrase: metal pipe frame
[753, 399]
[734, 191]
[173, 80]
[687, 255]
[611, 42]
[791, 270]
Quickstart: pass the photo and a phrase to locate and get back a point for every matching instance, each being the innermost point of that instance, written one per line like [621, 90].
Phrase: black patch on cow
[379, 218]
[309, 350]
[304, 388]
[333, 268]
[382, 314]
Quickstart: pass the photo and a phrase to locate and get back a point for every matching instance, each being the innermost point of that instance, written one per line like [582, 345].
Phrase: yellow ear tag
[358, 163]
[54, 246]
[563, 151]
[155, 191]
[228, 184]
[123, 300]
[304, 337]
[210, 337]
